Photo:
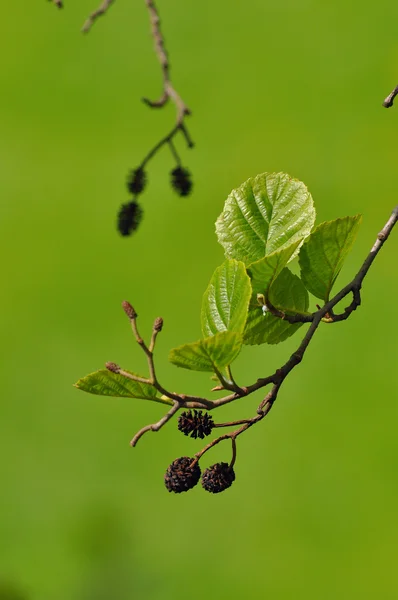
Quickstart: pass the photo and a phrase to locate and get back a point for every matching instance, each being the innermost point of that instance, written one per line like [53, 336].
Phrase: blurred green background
[291, 86]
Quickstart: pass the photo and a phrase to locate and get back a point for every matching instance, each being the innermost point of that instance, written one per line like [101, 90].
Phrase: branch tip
[129, 310]
[389, 101]
[101, 10]
[158, 324]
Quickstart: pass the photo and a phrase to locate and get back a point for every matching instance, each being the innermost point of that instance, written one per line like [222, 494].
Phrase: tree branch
[156, 426]
[168, 89]
[280, 374]
[353, 287]
[101, 10]
[323, 314]
[278, 377]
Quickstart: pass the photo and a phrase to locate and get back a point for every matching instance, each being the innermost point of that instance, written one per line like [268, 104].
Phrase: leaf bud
[113, 367]
[129, 310]
[158, 324]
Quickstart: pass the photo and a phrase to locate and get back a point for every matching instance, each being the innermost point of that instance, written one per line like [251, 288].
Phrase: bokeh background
[291, 86]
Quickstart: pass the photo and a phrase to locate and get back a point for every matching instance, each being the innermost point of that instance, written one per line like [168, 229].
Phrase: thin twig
[101, 10]
[233, 459]
[290, 318]
[166, 140]
[174, 152]
[169, 91]
[353, 287]
[160, 49]
[231, 423]
[156, 426]
[389, 101]
[230, 384]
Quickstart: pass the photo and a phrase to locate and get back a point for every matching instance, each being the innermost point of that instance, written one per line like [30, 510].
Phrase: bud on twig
[113, 367]
[158, 324]
[129, 310]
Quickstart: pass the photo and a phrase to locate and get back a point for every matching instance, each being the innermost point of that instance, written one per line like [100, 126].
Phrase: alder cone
[180, 476]
[218, 478]
[136, 181]
[129, 218]
[181, 181]
[195, 424]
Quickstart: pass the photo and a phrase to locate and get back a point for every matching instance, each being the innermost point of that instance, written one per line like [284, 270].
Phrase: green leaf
[323, 254]
[264, 272]
[225, 302]
[288, 294]
[107, 383]
[265, 214]
[212, 353]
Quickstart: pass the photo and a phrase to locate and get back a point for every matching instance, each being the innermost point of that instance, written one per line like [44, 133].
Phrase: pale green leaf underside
[225, 302]
[323, 253]
[212, 353]
[264, 214]
[288, 294]
[264, 272]
[107, 383]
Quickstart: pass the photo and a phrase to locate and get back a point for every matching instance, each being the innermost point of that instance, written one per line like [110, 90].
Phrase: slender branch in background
[168, 139]
[324, 313]
[168, 89]
[389, 101]
[130, 213]
[169, 92]
[180, 177]
[101, 10]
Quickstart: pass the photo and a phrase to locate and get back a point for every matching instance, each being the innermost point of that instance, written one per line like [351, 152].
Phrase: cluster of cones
[130, 214]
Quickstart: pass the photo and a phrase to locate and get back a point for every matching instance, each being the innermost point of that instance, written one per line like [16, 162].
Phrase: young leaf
[215, 352]
[323, 253]
[287, 294]
[264, 272]
[107, 383]
[225, 302]
[265, 214]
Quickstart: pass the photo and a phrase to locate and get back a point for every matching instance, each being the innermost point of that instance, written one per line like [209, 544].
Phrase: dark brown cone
[195, 424]
[218, 478]
[136, 181]
[129, 218]
[181, 181]
[180, 476]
